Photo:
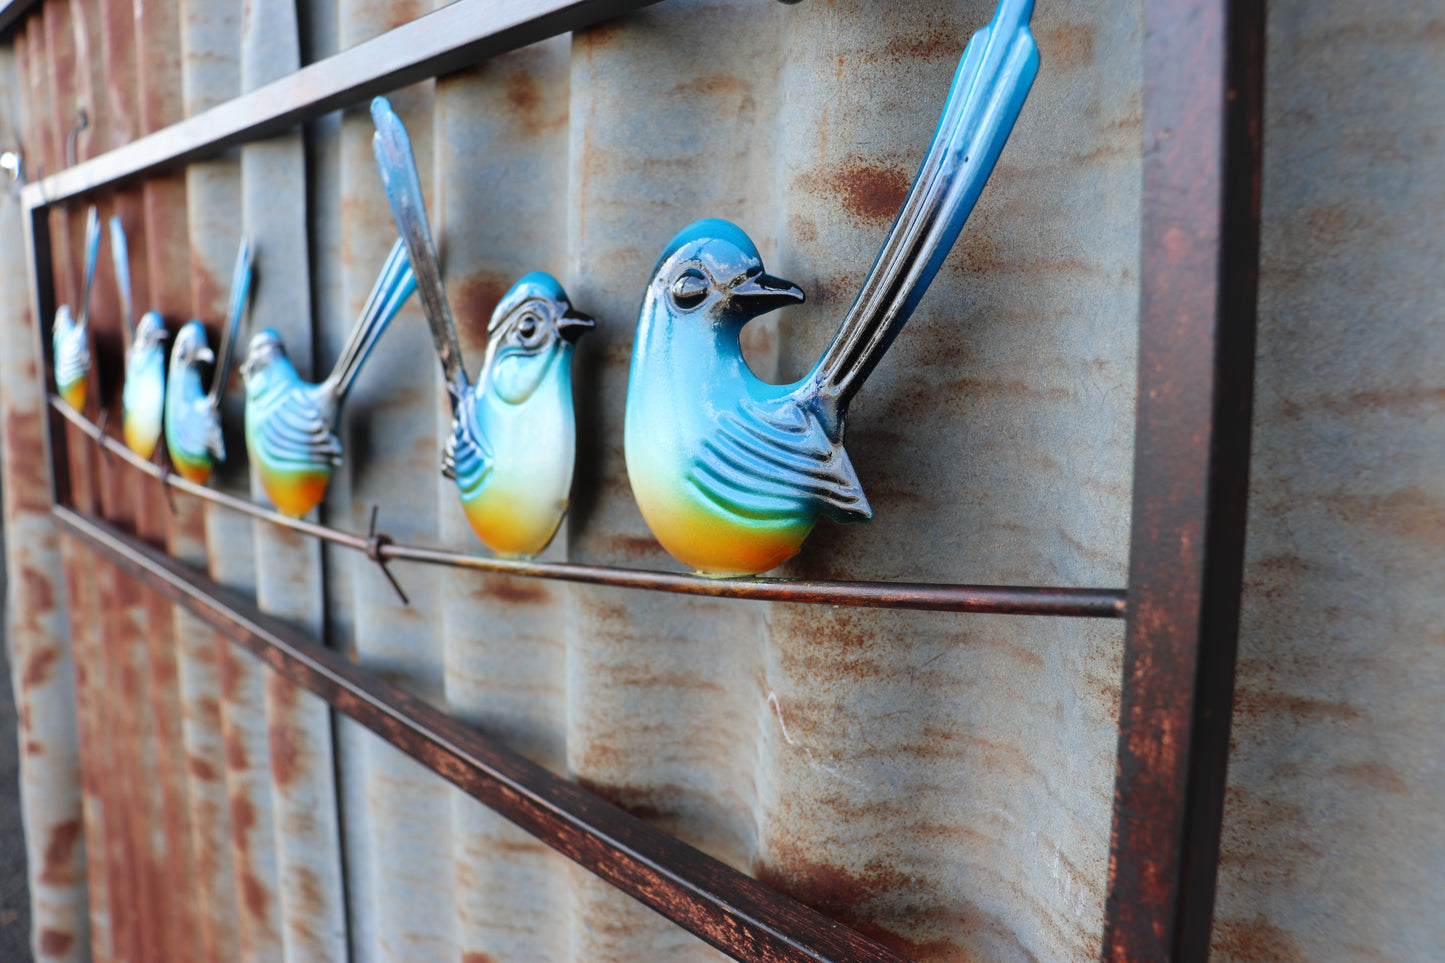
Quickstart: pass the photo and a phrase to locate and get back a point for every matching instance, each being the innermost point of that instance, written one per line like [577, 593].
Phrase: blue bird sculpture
[193, 414]
[143, 395]
[70, 338]
[290, 422]
[731, 473]
[513, 438]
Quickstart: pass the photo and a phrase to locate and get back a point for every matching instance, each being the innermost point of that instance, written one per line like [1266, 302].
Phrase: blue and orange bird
[142, 399]
[731, 473]
[290, 422]
[193, 414]
[71, 338]
[514, 435]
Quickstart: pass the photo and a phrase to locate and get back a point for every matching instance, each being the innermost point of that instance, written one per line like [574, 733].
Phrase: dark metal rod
[1203, 121]
[720, 905]
[456, 36]
[11, 11]
[938, 597]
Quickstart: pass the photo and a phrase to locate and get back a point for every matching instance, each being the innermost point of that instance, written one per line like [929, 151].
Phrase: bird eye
[529, 329]
[690, 289]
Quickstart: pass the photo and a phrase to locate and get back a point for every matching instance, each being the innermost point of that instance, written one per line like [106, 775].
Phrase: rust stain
[935, 43]
[1066, 46]
[1254, 941]
[1252, 702]
[38, 666]
[477, 957]
[55, 942]
[236, 757]
[869, 192]
[286, 755]
[475, 300]
[39, 591]
[254, 896]
[513, 590]
[203, 770]
[59, 858]
[1375, 774]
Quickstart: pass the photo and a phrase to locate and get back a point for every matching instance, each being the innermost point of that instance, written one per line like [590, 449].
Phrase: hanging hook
[374, 543]
[70, 140]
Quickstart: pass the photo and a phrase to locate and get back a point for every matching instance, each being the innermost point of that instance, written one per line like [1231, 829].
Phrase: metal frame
[1203, 119]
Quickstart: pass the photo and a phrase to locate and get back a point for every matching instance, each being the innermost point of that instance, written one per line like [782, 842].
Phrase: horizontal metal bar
[927, 596]
[456, 36]
[11, 11]
[731, 911]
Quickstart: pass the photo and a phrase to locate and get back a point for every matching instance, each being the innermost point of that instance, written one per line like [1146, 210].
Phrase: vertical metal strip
[185, 294]
[660, 113]
[1204, 66]
[40, 644]
[211, 74]
[504, 642]
[288, 573]
[390, 438]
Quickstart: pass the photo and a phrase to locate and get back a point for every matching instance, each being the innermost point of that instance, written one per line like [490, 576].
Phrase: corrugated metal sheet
[939, 781]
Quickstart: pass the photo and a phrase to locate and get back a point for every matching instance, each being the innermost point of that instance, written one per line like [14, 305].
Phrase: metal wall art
[514, 438]
[143, 394]
[731, 473]
[290, 422]
[71, 338]
[193, 413]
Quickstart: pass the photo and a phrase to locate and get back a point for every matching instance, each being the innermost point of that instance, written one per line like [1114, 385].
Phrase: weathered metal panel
[939, 781]
[38, 638]
[1334, 833]
[503, 639]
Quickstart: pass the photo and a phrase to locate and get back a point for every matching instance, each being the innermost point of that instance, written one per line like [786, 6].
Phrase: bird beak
[763, 293]
[573, 324]
[206, 356]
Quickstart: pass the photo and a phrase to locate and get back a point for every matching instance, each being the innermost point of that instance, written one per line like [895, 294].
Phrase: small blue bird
[143, 395]
[513, 439]
[193, 414]
[290, 422]
[71, 338]
[731, 473]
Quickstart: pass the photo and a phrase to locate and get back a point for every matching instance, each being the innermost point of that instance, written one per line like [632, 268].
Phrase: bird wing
[72, 350]
[297, 434]
[468, 457]
[198, 430]
[777, 464]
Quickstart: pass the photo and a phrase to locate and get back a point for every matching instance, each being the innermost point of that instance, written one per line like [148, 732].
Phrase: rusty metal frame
[1203, 121]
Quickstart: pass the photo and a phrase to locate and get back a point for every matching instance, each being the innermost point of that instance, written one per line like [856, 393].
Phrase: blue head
[267, 366]
[710, 276]
[149, 333]
[190, 348]
[532, 333]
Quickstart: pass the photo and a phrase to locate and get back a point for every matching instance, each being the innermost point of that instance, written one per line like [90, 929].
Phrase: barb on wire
[374, 543]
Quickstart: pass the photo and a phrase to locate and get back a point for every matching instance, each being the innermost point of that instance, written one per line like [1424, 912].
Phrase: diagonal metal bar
[729, 910]
[456, 36]
[1203, 120]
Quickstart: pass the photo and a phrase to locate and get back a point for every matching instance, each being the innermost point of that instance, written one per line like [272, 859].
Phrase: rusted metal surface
[727, 908]
[462, 33]
[37, 637]
[1334, 825]
[1203, 136]
[939, 781]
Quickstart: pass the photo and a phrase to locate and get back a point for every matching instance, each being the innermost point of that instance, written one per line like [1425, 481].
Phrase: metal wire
[928, 596]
